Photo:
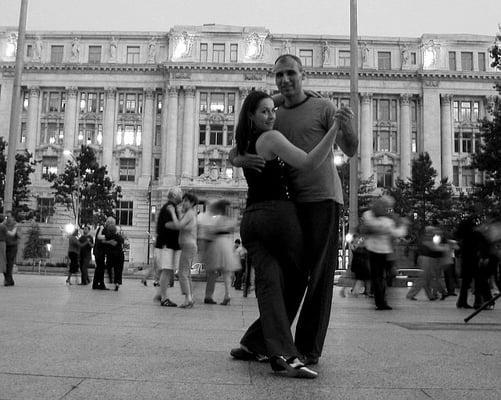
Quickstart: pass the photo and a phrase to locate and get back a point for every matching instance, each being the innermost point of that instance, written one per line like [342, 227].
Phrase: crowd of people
[289, 232]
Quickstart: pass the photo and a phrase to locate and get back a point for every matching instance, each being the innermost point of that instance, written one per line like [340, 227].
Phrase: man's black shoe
[244, 355]
[465, 305]
[209, 301]
[309, 360]
[384, 307]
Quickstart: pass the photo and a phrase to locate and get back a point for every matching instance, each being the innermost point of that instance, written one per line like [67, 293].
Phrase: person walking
[73, 254]
[240, 273]
[381, 230]
[187, 226]
[304, 121]
[11, 241]
[86, 244]
[220, 257]
[167, 249]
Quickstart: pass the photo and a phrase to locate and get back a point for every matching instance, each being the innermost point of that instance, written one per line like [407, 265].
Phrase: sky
[404, 18]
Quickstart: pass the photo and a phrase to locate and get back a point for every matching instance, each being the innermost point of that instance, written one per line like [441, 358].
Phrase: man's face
[288, 77]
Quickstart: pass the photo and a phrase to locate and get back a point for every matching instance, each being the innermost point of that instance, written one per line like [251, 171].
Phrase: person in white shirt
[381, 230]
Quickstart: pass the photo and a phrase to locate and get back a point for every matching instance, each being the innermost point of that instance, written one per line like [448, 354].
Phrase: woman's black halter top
[269, 184]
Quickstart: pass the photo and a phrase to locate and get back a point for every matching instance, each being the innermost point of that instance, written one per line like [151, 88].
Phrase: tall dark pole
[149, 223]
[354, 102]
[15, 111]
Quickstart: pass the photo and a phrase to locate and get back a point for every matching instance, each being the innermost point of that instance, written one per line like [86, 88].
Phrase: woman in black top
[271, 234]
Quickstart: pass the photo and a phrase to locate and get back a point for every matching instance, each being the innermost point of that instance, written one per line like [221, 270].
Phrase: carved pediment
[91, 116]
[48, 150]
[127, 151]
[216, 118]
[385, 158]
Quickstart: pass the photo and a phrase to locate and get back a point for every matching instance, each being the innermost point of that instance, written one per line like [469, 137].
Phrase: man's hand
[250, 161]
[348, 139]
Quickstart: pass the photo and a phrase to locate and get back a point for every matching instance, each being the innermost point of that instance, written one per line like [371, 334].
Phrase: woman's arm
[272, 143]
[176, 223]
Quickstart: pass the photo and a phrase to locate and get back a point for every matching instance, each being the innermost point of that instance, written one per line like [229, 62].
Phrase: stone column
[109, 128]
[405, 137]
[431, 124]
[163, 134]
[69, 118]
[366, 137]
[188, 132]
[32, 123]
[446, 136]
[171, 137]
[147, 138]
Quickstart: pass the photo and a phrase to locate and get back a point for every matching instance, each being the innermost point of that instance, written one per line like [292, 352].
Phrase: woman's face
[264, 116]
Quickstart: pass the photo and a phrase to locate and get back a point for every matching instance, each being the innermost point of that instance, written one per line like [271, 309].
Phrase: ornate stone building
[163, 106]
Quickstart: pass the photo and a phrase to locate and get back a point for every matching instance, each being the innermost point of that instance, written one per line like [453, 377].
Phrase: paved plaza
[61, 342]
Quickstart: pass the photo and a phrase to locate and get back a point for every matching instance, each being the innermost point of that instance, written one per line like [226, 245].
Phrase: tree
[85, 189]
[487, 196]
[422, 201]
[35, 246]
[21, 194]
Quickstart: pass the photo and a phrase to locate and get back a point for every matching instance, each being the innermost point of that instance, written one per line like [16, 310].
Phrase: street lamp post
[149, 223]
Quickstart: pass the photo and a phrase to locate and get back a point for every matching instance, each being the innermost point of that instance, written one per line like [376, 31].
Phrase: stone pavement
[61, 342]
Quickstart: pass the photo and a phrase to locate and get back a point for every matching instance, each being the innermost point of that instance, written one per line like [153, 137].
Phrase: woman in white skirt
[220, 255]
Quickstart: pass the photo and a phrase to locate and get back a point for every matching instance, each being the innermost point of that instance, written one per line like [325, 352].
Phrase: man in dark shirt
[85, 254]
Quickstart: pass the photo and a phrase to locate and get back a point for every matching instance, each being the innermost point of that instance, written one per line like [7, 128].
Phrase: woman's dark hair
[244, 126]
[191, 198]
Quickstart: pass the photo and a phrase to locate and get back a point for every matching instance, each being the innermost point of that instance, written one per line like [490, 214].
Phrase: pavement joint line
[426, 394]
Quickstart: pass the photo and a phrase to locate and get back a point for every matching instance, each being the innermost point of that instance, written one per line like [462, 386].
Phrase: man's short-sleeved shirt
[304, 125]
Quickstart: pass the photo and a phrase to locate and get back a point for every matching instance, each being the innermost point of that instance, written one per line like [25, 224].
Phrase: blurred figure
[359, 267]
[449, 266]
[220, 255]
[467, 239]
[381, 230]
[86, 244]
[73, 254]
[99, 251]
[204, 239]
[430, 254]
[115, 253]
[167, 249]
[187, 226]
[242, 255]
[11, 241]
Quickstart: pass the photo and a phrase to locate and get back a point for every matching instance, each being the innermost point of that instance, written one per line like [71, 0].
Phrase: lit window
[49, 166]
[203, 101]
[128, 135]
[217, 102]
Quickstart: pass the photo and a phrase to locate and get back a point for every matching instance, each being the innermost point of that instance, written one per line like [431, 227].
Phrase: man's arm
[347, 138]
[251, 161]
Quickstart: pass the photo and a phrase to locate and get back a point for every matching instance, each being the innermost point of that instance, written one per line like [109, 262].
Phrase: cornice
[108, 68]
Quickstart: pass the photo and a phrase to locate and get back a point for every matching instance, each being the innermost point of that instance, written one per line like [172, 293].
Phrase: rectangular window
[203, 52]
[217, 102]
[344, 58]
[201, 166]
[233, 52]
[157, 139]
[306, 56]
[90, 133]
[216, 135]
[384, 176]
[127, 170]
[22, 138]
[56, 54]
[51, 133]
[156, 169]
[383, 60]
[414, 142]
[467, 142]
[218, 52]
[452, 61]
[456, 111]
[26, 100]
[94, 54]
[29, 51]
[203, 101]
[384, 110]
[481, 61]
[413, 58]
[124, 212]
[129, 135]
[475, 116]
[467, 177]
[231, 103]
[159, 103]
[457, 141]
[45, 209]
[49, 166]
[132, 55]
[455, 175]
[465, 111]
[203, 131]
[230, 135]
[414, 111]
[466, 61]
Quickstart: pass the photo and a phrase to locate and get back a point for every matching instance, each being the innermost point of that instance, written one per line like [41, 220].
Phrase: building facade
[162, 107]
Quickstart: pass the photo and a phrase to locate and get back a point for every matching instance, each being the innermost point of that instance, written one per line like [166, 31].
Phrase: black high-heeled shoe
[226, 302]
